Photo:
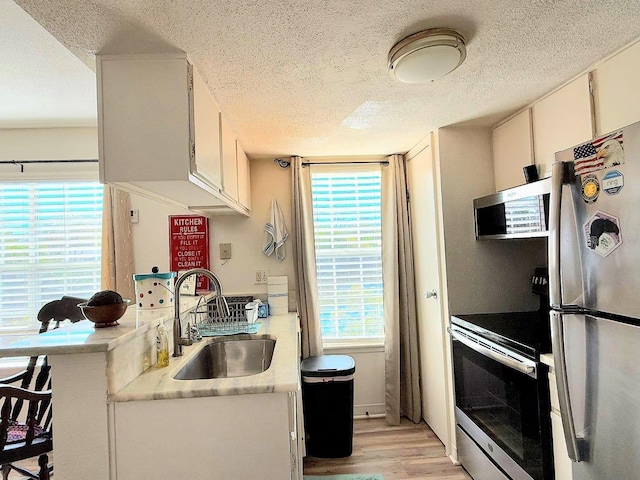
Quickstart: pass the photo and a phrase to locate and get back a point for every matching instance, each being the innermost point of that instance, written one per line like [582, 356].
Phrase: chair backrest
[24, 379]
[38, 415]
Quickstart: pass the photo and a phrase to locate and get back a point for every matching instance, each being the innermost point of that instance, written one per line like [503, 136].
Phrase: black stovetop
[528, 333]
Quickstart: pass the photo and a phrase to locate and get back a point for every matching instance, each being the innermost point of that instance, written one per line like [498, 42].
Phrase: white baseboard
[371, 411]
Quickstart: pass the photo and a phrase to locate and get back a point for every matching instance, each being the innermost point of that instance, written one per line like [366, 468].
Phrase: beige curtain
[402, 371]
[304, 255]
[117, 243]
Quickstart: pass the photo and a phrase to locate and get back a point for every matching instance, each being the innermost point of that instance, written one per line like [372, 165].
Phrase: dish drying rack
[209, 321]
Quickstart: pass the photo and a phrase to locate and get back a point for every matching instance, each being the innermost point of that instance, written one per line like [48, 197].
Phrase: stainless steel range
[503, 426]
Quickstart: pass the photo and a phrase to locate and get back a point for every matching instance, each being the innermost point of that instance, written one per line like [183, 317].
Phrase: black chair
[22, 440]
[28, 437]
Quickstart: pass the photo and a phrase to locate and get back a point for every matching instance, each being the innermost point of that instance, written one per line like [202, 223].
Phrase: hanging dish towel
[275, 232]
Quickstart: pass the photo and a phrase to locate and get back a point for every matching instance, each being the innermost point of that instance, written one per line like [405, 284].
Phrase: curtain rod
[22, 163]
[380, 162]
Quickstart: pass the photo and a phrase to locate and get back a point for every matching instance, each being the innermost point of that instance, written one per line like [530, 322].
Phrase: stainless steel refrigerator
[594, 290]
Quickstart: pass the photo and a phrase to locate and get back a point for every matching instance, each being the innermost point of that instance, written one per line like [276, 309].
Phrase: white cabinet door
[512, 150]
[244, 178]
[205, 438]
[561, 460]
[617, 96]
[561, 120]
[159, 133]
[144, 118]
[206, 164]
[229, 163]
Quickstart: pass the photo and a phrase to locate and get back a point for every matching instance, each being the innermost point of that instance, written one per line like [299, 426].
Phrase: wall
[49, 143]
[151, 238]
[151, 248]
[482, 276]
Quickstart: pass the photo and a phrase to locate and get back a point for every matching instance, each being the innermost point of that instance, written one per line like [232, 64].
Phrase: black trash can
[327, 396]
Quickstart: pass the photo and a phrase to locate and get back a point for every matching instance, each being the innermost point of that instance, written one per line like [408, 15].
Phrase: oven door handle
[523, 366]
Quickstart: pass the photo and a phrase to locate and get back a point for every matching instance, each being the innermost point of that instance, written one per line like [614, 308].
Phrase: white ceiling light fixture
[427, 55]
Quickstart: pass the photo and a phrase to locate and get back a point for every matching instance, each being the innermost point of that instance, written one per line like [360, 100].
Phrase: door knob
[431, 294]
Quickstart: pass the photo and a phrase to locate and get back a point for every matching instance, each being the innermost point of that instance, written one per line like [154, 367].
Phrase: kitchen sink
[229, 357]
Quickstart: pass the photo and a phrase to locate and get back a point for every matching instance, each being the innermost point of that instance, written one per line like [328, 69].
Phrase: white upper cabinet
[512, 150]
[229, 161]
[159, 132]
[244, 178]
[617, 96]
[206, 162]
[561, 120]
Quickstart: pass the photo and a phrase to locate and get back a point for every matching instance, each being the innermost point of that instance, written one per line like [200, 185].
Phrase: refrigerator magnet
[613, 182]
[602, 233]
[590, 188]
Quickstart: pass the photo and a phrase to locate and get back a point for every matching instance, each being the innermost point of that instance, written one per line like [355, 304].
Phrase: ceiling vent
[427, 55]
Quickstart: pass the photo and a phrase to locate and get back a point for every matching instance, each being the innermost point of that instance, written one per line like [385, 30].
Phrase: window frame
[51, 172]
[345, 168]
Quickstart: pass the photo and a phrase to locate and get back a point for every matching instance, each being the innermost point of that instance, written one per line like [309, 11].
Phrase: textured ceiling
[310, 77]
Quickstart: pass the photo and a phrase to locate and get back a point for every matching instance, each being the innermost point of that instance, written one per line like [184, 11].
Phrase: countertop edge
[281, 377]
[82, 337]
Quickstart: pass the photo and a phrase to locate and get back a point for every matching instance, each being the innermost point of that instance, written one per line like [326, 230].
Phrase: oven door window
[503, 403]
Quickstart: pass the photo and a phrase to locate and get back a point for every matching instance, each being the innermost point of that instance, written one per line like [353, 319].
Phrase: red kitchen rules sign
[189, 245]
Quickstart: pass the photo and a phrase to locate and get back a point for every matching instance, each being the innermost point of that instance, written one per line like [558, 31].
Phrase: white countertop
[83, 337]
[281, 376]
[547, 359]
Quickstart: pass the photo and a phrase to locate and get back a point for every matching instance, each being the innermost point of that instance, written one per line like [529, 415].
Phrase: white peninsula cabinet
[160, 133]
[561, 461]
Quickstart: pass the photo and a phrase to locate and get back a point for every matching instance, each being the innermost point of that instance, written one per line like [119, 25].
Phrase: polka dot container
[154, 290]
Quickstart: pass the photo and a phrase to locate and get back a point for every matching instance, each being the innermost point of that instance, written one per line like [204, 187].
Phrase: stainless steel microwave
[519, 212]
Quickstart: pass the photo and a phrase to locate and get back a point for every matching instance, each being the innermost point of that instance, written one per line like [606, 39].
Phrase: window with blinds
[50, 242]
[348, 245]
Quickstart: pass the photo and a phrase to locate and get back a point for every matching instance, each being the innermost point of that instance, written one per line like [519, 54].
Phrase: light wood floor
[405, 452]
[30, 464]
[408, 451]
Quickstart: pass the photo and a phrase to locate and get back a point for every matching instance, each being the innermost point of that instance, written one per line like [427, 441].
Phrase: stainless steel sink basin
[229, 357]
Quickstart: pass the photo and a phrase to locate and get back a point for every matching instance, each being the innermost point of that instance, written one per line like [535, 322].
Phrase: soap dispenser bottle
[162, 346]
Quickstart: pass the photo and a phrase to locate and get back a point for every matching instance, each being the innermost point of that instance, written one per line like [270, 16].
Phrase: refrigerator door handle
[557, 179]
[564, 400]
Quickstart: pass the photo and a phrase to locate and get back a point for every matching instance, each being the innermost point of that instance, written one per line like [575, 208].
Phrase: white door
[421, 181]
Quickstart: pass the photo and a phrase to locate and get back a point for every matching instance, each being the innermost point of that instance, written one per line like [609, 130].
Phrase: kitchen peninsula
[117, 416]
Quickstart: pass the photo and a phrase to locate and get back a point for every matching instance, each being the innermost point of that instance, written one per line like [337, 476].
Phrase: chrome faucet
[221, 304]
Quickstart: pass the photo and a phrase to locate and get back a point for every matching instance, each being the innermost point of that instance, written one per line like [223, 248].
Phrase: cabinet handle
[431, 294]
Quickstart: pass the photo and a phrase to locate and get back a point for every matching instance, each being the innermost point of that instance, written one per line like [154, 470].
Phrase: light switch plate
[225, 251]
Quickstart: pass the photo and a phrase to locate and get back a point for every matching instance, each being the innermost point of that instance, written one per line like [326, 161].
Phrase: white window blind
[348, 245]
[50, 242]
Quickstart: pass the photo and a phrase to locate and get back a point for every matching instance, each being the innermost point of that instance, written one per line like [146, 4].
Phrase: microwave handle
[522, 367]
[564, 400]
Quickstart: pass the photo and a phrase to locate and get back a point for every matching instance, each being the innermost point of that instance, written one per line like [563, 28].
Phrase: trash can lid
[328, 366]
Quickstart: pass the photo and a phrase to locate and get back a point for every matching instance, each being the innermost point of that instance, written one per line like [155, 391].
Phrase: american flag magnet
[603, 152]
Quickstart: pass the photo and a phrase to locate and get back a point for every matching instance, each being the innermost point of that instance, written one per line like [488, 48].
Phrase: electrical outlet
[225, 251]
[261, 277]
